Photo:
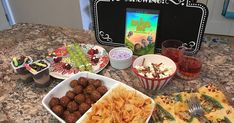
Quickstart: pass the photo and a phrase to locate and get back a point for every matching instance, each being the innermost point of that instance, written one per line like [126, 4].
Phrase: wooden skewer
[155, 71]
[143, 62]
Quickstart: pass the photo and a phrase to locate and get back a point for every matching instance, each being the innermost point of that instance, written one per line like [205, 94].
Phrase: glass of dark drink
[189, 67]
[173, 50]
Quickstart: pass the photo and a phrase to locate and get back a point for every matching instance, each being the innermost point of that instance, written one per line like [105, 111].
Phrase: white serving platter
[61, 89]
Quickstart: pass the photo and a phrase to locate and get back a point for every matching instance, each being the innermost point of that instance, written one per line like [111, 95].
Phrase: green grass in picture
[147, 50]
[129, 44]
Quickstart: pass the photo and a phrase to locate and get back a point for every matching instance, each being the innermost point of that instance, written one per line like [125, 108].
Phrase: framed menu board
[177, 19]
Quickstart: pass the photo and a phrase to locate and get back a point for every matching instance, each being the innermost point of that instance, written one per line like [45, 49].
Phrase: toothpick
[143, 62]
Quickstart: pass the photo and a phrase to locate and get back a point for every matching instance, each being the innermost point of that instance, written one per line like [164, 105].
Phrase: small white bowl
[120, 57]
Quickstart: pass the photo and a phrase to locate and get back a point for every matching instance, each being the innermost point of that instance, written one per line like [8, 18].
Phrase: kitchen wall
[218, 24]
[3, 21]
[51, 12]
[202, 1]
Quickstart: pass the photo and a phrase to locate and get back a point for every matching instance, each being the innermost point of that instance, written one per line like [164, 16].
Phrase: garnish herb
[216, 104]
[162, 113]
[227, 120]
[178, 97]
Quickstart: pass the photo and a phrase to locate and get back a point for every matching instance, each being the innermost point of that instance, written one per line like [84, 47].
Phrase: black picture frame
[179, 19]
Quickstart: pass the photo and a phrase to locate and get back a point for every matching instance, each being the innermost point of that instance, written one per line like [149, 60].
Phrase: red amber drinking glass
[189, 67]
[172, 49]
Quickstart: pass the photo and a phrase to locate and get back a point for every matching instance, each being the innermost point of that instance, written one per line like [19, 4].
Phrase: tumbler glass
[189, 67]
[173, 49]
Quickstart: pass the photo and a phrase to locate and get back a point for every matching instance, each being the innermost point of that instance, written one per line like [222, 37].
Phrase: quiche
[164, 111]
[174, 108]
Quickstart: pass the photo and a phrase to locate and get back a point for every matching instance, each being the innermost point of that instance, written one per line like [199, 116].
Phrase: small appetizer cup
[120, 57]
[22, 71]
[153, 83]
[42, 77]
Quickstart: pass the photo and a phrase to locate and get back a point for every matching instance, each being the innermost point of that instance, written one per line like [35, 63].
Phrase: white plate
[61, 89]
[103, 62]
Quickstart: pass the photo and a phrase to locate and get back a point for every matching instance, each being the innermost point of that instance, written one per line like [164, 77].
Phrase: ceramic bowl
[120, 57]
[154, 83]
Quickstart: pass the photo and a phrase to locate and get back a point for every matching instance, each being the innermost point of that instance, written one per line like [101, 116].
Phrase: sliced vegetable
[15, 61]
[163, 114]
[178, 97]
[210, 103]
[40, 64]
[191, 119]
[227, 120]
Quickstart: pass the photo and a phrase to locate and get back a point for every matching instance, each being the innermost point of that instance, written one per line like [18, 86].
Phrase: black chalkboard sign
[178, 19]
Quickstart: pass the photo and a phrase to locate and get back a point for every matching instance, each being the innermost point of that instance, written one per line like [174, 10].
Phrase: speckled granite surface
[21, 102]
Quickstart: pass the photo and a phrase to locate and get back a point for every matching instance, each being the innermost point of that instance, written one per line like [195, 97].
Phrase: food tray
[61, 89]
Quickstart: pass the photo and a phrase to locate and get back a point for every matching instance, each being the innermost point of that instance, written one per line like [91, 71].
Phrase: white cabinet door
[3, 21]
[218, 24]
[50, 12]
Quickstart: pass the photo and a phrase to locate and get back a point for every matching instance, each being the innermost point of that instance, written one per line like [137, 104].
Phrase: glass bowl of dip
[120, 57]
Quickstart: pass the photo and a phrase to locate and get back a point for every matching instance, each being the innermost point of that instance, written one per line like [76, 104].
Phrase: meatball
[83, 81]
[80, 98]
[90, 81]
[95, 96]
[74, 83]
[58, 110]
[97, 83]
[89, 101]
[53, 101]
[64, 101]
[71, 118]
[78, 89]
[70, 94]
[102, 90]
[65, 114]
[89, 89]
[83, 108]
[77, 113]
[72, 106]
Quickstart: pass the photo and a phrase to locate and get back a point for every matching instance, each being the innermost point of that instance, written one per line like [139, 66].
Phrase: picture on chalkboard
[140, 30]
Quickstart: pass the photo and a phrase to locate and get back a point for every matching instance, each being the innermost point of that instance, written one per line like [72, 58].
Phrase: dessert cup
[41, 77]
[22, 72]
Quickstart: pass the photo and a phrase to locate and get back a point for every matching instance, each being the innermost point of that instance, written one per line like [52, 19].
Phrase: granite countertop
[21, 101]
